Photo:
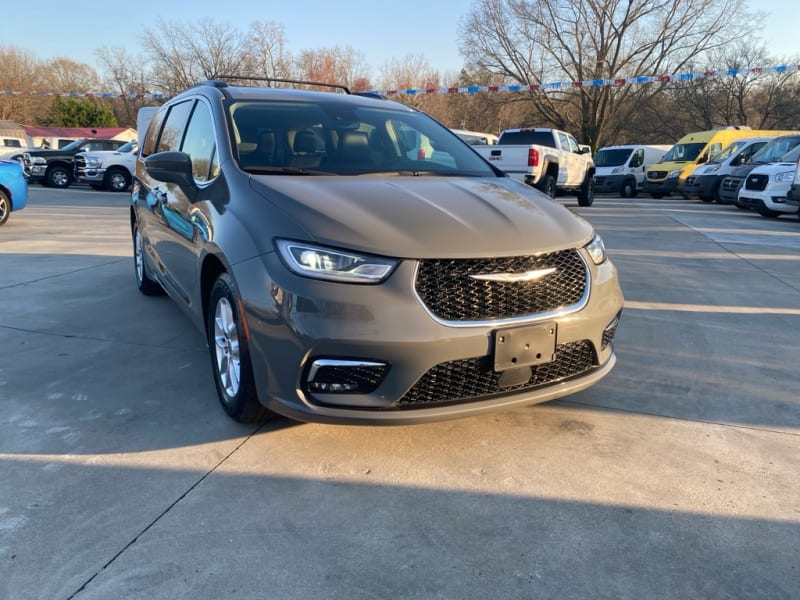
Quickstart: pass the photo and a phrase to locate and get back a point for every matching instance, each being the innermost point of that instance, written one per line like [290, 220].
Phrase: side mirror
[170, 167]
[703, 158]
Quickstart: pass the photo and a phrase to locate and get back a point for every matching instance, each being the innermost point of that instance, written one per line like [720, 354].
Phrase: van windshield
[612, 157]
[775, 150]
[683, 152]
[728, 151]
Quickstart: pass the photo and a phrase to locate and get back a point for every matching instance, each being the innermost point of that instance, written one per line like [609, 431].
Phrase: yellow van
[668, 176]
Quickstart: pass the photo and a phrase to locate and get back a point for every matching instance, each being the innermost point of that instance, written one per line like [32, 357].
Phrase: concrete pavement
[675, 477]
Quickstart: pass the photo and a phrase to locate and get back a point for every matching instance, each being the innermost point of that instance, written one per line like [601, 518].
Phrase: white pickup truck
[107, 170]
[548, 159]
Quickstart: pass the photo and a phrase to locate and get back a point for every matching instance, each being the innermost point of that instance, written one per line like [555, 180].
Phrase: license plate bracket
[528, 345]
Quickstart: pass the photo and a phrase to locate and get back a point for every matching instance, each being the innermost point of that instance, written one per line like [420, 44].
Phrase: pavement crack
[163, 513]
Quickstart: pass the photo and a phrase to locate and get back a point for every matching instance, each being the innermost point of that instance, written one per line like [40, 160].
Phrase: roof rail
[278, 80]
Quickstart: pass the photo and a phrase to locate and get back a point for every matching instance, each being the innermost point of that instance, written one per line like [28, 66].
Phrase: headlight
[785, 176]
[616, 170]
[334, 265]
[38, 160]
[711, 168]
[94, 163]
[596, 250]
[674, 174]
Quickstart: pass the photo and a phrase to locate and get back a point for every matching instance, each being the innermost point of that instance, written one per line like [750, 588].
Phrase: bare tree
[268, 56]
[182, 55]
[542, 41]
[125, 75]
[344, 66]
[20, 74]
[65, 75]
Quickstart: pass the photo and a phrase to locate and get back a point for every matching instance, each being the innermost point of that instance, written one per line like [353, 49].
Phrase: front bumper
[702, 186]
[773, 198]
[608, 184]
[664, 187]
[90, 175]
[434, 370]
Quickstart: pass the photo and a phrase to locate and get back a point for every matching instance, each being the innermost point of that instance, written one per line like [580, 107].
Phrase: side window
[151, 138]
[573, 145]
[637, 159]
[563, 141]
[174, 127]
[200, 145]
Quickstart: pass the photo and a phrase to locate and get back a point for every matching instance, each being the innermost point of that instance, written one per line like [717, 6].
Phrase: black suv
[341, 275]
[54, 168]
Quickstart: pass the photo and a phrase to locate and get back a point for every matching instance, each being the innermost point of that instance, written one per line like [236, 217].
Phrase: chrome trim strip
[564, 310]
[329, 362]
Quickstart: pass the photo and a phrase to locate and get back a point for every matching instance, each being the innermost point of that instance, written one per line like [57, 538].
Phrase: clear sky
[381, 30]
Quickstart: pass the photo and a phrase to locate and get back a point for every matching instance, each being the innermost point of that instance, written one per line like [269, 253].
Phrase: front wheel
[586, 193]
[230, 356]
[5, 207]
[58, 177]
[146, 285]
[628, 189]
[117, 180]
[770, 214]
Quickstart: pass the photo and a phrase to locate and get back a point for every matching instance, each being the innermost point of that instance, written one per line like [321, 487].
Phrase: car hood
[419, 217]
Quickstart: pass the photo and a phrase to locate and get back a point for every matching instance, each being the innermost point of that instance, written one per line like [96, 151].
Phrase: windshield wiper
[283, 171]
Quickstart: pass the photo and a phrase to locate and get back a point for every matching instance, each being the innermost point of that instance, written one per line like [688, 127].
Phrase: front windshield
[129, 147]
[775, 149]
[608, 157]
[331, 136]
[791, 156]
[72, 145]
[727, 151]
[683, 152]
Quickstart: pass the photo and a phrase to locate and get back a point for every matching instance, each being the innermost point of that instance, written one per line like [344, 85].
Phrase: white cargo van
[621, 169]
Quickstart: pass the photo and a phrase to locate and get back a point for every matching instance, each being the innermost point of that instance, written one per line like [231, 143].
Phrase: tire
[146, 285]
[230, 356]
[715, 195]
[58, 177]
[628, 189]
[548, 186]
[707, 199]
[586, 193]
[117, 179]
[770, 214]
[5, 207]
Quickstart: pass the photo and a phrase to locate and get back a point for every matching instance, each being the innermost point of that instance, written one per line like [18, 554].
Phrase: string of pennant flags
[473, 89]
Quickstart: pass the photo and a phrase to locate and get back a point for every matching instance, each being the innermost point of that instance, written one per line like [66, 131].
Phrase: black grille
[446, 288]
[656, 174]
[474, 379]
[756, 182]
[362, 380]
[731, 184]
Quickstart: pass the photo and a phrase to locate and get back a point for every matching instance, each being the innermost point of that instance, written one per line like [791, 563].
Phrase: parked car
[54, 168]
[13, 188]
[107, 170]
[476, 138]
[706, 181]
[767, 186]
[772, 152]
[621, 169]
[338, 279]
[793, 195]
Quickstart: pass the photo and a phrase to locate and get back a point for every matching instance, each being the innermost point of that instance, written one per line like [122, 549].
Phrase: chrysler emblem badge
[535, 275]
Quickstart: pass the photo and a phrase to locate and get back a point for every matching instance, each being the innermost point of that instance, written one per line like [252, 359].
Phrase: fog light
[610, 331]
[337, 376]
[779, 199]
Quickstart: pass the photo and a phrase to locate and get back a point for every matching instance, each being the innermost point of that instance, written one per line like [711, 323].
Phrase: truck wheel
[58, 177]
[117, 180]
[548, 186]
[628, 189]
[586, 193]
[770, 214]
